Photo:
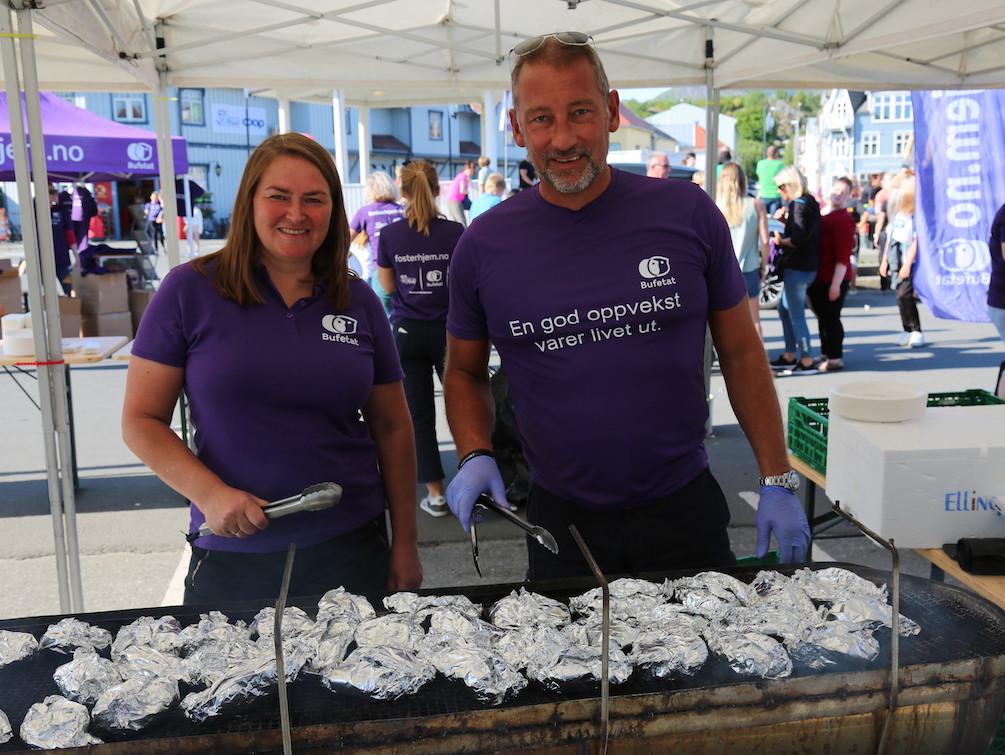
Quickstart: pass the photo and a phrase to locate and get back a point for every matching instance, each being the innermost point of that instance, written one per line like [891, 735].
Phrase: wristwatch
[788, 480]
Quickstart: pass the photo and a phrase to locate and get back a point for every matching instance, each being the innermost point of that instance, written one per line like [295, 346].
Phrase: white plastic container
[18, 343]
[878, 401]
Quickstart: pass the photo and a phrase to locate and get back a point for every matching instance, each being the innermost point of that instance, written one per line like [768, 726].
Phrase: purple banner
[959, 139]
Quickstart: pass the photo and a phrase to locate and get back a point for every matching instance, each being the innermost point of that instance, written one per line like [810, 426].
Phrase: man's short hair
[660, 158]
[494, 182]
[771, 152]
[558, 55]
[725, 155]
[846, 181]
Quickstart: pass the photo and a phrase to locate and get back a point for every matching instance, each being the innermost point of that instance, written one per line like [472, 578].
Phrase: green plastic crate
[808, 422]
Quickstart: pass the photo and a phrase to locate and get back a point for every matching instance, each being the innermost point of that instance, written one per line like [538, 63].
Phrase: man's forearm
[752, 395]
[470, 410]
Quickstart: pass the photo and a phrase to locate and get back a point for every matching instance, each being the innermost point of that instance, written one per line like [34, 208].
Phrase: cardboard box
[11, 301]
[69, 316]
[138, 303]
[6, 264]
[107, 324]
[923, 482]
[103, 294]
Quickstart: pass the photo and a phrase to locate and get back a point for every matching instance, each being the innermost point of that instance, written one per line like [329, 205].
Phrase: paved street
[131, 525]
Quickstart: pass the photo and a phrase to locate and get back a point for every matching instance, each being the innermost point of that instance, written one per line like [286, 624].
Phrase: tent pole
[489, 128]
[338, 134]
[165, 165]
[363, 132]
[29, 229]
[711, 160]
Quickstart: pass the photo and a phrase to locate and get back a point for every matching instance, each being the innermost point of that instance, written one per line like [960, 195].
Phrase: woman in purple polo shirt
[412, 265]
[280, 352]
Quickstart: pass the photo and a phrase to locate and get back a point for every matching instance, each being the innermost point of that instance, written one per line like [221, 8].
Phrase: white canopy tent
[385, 53]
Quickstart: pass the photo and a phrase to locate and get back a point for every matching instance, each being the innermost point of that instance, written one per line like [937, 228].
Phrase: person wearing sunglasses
[602, 334]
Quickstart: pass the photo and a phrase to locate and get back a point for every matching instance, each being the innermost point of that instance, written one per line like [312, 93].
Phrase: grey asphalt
[130, 524]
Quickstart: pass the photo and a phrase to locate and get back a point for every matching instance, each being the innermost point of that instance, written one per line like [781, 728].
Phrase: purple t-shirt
[420, 268]
[599, 317]
[373, 218]
[275, 395]
[996, 291]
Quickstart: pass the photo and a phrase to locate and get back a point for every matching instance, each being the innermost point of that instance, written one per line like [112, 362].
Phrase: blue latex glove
[779, 511]
[478, 475]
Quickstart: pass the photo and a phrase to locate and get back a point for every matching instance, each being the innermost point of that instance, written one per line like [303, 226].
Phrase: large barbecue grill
[952, 692]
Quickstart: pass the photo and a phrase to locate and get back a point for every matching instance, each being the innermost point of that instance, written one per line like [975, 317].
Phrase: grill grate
[955, 626]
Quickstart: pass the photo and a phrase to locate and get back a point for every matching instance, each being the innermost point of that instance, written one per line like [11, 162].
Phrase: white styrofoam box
[924, 482]
[18, 343]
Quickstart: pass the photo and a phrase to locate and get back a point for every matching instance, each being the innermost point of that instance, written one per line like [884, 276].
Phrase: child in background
[495, 186]
[900, 254]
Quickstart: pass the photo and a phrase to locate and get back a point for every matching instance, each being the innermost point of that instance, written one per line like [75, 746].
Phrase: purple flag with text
[959, 139]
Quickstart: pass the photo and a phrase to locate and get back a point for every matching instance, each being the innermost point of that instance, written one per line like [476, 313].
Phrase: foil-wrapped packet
[661, 652]
[244, 681]
[160, 634]
[134, 704]
[834, 583]
[589, 630]
[527, 609]
[771, 588]
[619, 589]
[873, 612]
[422, 606]
[708, 594]
[397, 630]
[750, 653]
[669, 616]
[452, 622]
[212, 627]
[340, 601]
[83, 679]
[15, 646]
[295, 622]
[70, 633]
[297, 653]
[57, 722]
[333, 636]
[146, 660]
[818, 645]
[212, 661]
[517, 646]
[554, 665]
[486, 672]
[380, 672]
[781, 621]
[6, 732]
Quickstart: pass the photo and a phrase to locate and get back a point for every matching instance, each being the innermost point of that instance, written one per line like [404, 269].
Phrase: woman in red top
[834, 274]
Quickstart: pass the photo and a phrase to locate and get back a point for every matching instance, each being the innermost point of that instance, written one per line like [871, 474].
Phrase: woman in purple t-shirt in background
[413, 261]
[280, 350]
[381, 209]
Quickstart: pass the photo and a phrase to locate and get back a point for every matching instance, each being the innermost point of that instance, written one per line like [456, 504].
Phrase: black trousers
[686, 530]
[908, 306]
[828, 317]
[422, 346]
[357, 560]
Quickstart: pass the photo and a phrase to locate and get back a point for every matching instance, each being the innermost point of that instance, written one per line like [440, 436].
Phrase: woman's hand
[884, 267]
[834, 292]
[905, 272]
[231, 512]
[404, 570]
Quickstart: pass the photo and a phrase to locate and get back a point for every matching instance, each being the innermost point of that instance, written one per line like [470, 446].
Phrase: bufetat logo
[434, 276]
[340, 329]
[964, 256]
[139, 151]
[654, 267]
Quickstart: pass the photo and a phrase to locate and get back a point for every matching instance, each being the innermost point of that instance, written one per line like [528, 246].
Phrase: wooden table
[98, 348]
[124, 354]
[992, 588]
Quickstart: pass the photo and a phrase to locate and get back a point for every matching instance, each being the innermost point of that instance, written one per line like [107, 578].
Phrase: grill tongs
[324, 495]
[538, 534]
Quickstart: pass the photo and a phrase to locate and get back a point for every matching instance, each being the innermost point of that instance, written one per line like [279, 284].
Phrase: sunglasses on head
[570, 38]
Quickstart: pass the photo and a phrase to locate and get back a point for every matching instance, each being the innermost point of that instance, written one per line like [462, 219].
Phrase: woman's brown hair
[420, 185]
[235, 277]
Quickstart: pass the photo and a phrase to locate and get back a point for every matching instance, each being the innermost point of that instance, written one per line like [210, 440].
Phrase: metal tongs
[538, 534]
[318, 497]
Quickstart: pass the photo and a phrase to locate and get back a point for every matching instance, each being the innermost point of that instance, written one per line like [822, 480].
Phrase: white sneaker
[435, 505]
[903, 339]
[916, 339]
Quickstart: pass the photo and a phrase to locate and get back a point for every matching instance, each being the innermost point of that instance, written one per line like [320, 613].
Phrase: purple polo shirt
[996, 291]
[420, 266]
[275, 395]
[599, 316]
[373, 218]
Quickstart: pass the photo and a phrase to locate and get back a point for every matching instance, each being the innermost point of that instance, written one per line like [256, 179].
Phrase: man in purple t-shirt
[602, 336]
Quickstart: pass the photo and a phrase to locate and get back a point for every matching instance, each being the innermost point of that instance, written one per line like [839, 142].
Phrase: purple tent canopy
[80, 144]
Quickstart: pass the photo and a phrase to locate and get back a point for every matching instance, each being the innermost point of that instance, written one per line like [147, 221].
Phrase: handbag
[466, 202]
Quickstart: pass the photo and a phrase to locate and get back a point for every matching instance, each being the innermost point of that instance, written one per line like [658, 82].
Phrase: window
[841, 110]
[436, 125]
[77, 100]
[839, 146]
[199, 174]
[892, 107]
[129, 108]
[901, 141]
[348, 122]
[870, 144]
[192, 112]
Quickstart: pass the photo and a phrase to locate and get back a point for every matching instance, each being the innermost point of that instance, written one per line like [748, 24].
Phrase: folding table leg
[73, 432]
